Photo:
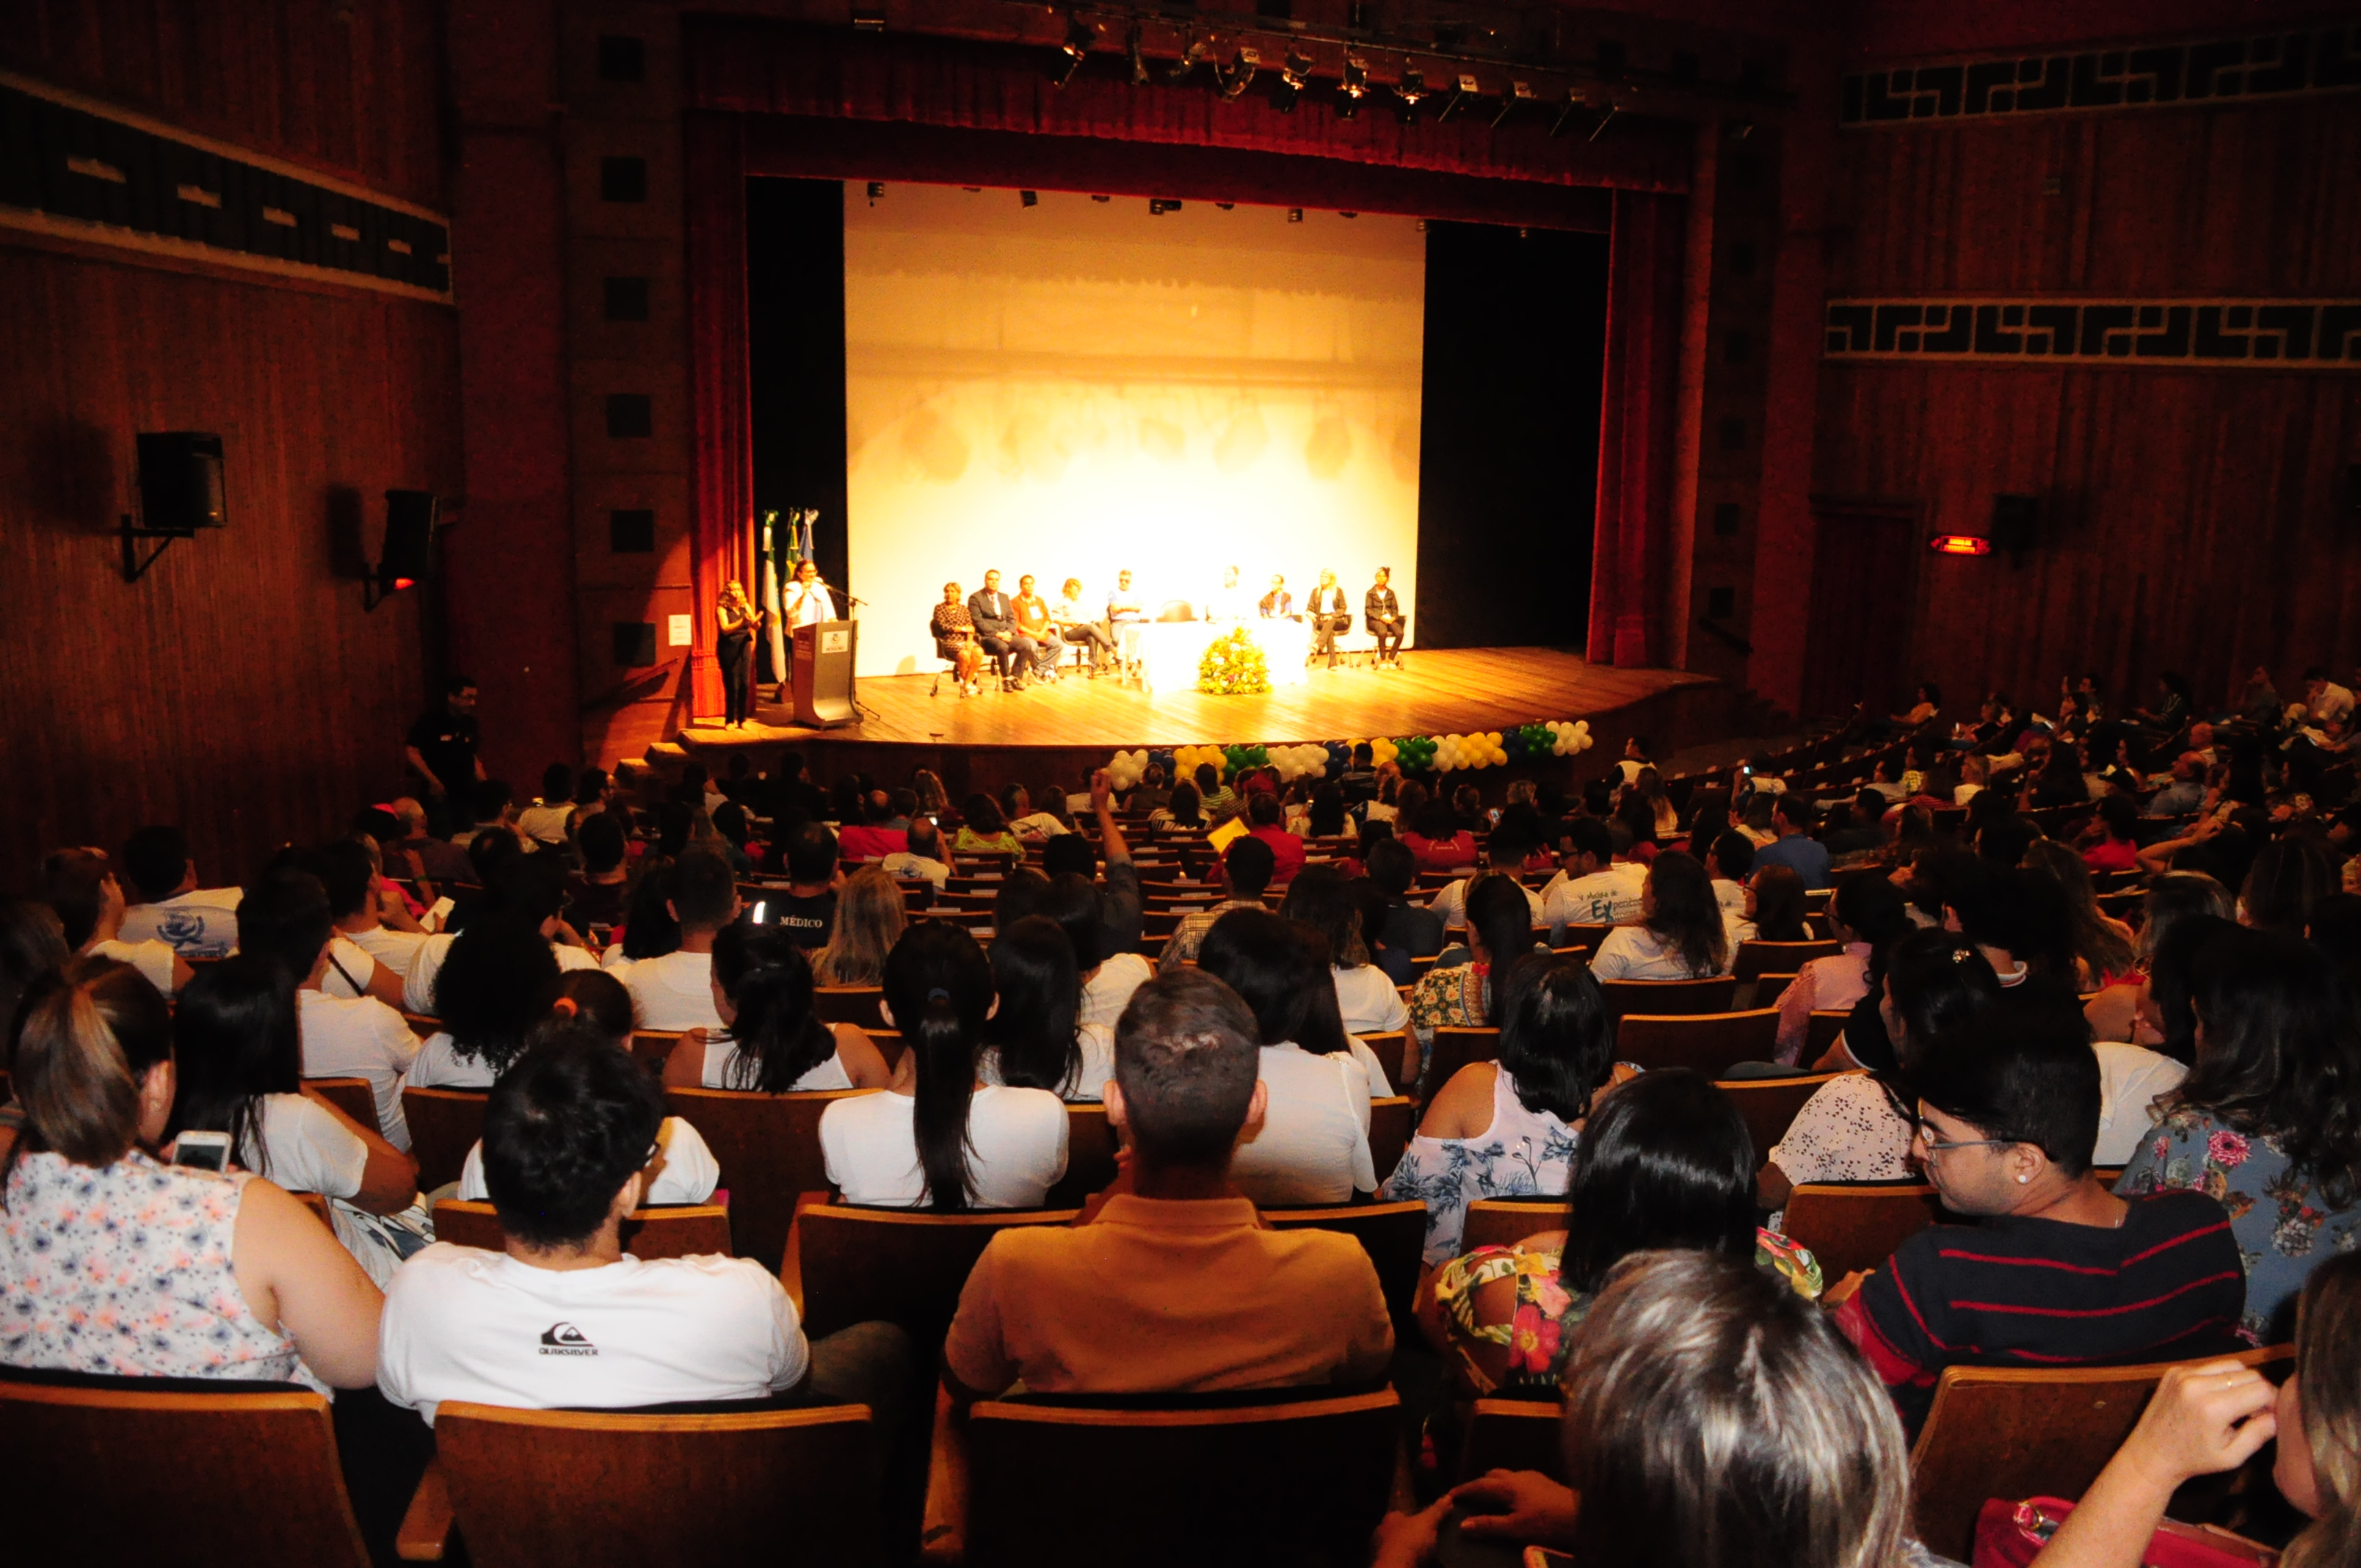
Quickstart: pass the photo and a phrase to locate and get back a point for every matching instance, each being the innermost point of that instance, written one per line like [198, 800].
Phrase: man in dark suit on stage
[1329, 615]
[996, 635]
[1382, 612]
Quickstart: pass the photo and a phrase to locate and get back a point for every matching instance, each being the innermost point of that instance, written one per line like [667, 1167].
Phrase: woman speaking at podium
[808, 601]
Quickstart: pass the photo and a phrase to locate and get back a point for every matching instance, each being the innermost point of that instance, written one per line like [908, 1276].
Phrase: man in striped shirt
[2058, 1271]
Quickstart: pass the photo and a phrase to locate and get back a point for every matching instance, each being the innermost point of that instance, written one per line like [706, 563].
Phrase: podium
[823, 669]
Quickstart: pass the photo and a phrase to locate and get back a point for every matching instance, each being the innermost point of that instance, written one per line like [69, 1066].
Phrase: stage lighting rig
[1411, 89]
[1355, 87]
[1605, 114]
[1293, 73]
[1518, 94]
[1466, 93]
[1565, 116]
[1190, 61]
[1159, 205]
[1080, 36]
[1240, 72]
[876, 189]
[1138, 60]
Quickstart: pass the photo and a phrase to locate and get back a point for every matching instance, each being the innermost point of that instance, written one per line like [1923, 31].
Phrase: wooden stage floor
[1439, 691]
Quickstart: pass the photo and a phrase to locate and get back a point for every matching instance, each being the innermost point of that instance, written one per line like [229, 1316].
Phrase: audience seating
[671, 1230]
[1770, 1105]
[104, 1470]
[424, 1025]
[1710, 1042]
[1769, 988]
[2015, 1432]
[1089, 1156]
[1658, 997]
[1514, 1434]
[653, 1048]
[1454, 1048]
[1391, 1123]
[445, 1123]
[1825, 1025]
[1283, 1481]
[587, 1489]
[353, 1096]
[1393, 1234]
[848, 1264]
[1584, 934]
[1853, 1225]
[1389, 1049]
[855, 1004]
[768, 1148]
[1757, 957]
[1505, 1222]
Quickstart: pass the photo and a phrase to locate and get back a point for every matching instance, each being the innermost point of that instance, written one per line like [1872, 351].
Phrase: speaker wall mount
[180, 493]
[410, 519]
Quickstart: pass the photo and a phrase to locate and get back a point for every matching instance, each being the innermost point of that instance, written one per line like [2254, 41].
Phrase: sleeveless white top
[722, 1051]
[1521, 1152]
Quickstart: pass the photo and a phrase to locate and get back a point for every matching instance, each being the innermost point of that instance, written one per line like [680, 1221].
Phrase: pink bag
[2010, 1535]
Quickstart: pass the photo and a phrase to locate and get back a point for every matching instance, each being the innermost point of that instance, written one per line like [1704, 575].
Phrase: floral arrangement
[1234, 666]
[1329, 759]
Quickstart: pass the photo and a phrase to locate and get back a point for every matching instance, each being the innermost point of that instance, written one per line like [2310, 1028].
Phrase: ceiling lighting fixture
[1189, 62]
[1295, 215]
[1467, 91]
[876, 189]
[1240, 72]
[1159, 205]
[1565, 116]
[1355, 87]
[1293, 73]
[868, 16]
[1517, 94]
[1080, 36]
[1959, 544]
[1411, 88]
[1029, 198]
[1138, 60]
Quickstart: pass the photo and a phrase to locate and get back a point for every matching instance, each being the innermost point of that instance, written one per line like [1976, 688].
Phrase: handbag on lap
[2010, 1535]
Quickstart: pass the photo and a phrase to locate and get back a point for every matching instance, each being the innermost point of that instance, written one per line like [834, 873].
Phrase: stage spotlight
[1517, 94]
[1573, 101]
[1241, 71]
[1080, 36]
[876, 189]
[1422, 225]
[1355, 86]
[1411, 89]
[1103, 200]
[1293, 73]
[1606, 115]
[1189, 62]
[1138, 60]
[1030, 198]
[1466, 93]
[1159, 205]
[1295, 215]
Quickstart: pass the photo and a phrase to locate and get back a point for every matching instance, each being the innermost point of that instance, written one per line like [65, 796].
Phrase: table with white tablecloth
[1171, 651]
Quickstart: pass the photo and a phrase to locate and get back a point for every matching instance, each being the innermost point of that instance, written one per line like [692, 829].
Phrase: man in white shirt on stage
[1126, 613]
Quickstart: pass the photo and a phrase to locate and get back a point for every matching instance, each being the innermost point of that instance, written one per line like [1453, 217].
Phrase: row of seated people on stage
[1659, 1303]
[1023, 638]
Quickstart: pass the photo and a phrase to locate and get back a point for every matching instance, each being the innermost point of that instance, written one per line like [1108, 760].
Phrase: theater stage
[998, 737]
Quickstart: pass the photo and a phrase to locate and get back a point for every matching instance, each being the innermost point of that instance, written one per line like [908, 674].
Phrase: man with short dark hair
[1795, 847]
[675, 991]
[874, 837]
[194, 922]
[285, 916]
[1865, 828]
[379, 925]
[1267, 820]
[1594, 887]
[543, 824]
[996, 632]
[1409, 927]
[563, 1318]
[806, 911]
[1247, 868]
[1172, 1285]
[490, 804]
[440, 750]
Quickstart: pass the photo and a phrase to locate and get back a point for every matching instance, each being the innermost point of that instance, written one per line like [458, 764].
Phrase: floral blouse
[2282, 1224]
[1452, 998]
[1539, 1334]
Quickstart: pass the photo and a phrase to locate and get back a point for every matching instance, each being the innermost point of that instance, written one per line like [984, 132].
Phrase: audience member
[82, 887]
[498, 981]
[1469, 995]
[1172, 1285]
[1795, 847]
[984, 831]
[1108, 977]
[770, 1040]
[32, 944]
[1246, 867]
[1866, 913]
[1265, 814]
[868, 920]
[806, 910]
[925, 860]
[1408, 928]
[1437, 840]
[2289, 875]
[1321, 898]
[2102, 947]
[1034, 1038]
[873, 838]
[937, 1140]
[367, 913]
[674, 990]
[1595, 887]
[195, 922]
[284, 917]
[1120, 917]
[1680, 936]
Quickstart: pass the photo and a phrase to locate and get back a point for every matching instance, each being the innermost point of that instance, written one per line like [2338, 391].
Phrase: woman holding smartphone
[231, 1277]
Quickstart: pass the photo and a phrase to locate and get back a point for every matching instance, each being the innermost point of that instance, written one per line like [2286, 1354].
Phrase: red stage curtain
[722, 493]
[766, 67]
[1631, 563]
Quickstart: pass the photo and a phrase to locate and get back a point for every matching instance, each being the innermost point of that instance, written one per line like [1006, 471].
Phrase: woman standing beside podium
[739, 621]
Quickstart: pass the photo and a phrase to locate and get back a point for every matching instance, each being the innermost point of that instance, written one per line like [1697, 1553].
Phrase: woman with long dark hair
[1181, 812]
[937, 1139]
[984, 831]
[1472, 995]
[496, 984]
[1510, 1126]
[1666, 1164]
[1867, 913]
[2118, 1012]
[2102, 947]
[1774, 904]
[1681, 934]
[650, 928]
[1035, 1039]
[1323, 899]
[773, 1041]
[2269, 1118]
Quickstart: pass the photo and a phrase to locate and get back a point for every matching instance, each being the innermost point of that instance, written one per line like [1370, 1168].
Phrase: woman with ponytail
[1035, 1036]
[937, 1139]
[1475, 994]
[773, 1043]
[228, 1277]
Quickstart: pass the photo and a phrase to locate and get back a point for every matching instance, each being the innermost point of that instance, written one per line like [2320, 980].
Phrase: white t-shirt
[720, 1051]
[395, 949]
[1369, 1003]
[1370, 1066]
[2130, 1077]
[1601, 898]
[481, 1326]
[439, 1064]
[674, 992]
[360, 1038]
[427, 958]
[1090, 1084]
[907, 867]
[1634, 952]
[1017, 1148]
[1452, 905]
[690, 1172]
[153, 960]
[307, 1148]
[350, 968]
[1108, 992]
[544, 824]
[199, 924]
[1313, 1147]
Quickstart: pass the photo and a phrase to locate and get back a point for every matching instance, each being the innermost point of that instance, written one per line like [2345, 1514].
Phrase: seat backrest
[1584, 934]
[1393, 1234]
[1770, 1104]
[1713, 994]
[1300, 1480]
[2017, 1432]
[1454, 1048]
[1858, 1225]
[1758, 956]
[901, 1266]
[672, 1230]
[444, 1125]
[353, 1096]
[1514, 1434]
[855, 1004]
[1821, 1033]
[1709, 1042]
[1090, 1157]
[1769, 988]
[114, 1475]
[768, 1148]
[1392, 1120]
[590, 1488]
[653, 1047]
[1389, 1049]
[1505, 1222]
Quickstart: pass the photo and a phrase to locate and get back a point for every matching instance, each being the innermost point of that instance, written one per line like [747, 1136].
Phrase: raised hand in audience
[1516, 1505]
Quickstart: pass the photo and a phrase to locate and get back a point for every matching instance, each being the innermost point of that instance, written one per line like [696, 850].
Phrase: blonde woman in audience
[229, 1277]
[869, 920]
[932, 799]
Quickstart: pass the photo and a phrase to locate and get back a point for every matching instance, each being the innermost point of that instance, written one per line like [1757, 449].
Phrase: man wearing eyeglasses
[2056, 1269]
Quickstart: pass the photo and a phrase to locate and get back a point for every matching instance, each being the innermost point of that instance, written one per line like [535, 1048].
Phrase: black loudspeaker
[409, 525]
[2014, 521]
[181, 482]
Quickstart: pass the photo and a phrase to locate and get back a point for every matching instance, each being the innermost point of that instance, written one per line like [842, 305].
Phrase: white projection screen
[1080, 386]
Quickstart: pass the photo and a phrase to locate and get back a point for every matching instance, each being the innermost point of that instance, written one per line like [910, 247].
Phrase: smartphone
[1746, 768]
[201, 1151]
[755, 915]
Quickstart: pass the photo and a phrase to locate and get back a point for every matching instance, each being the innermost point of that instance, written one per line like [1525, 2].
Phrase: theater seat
[768, 1148]
[674, 1230]
[1852, 1225]
[850, 1265]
